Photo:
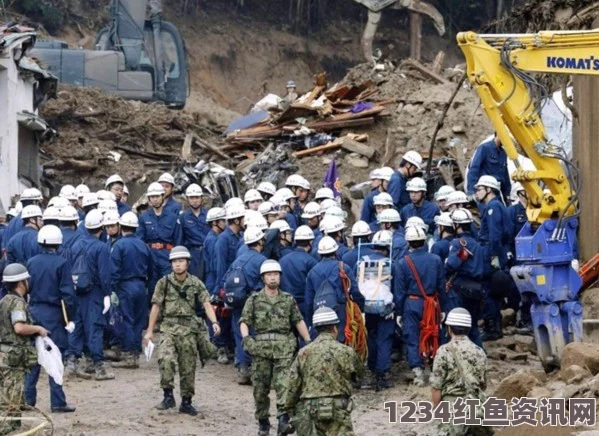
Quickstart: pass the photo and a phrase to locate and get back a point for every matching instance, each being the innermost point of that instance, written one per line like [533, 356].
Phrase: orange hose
[355, 329]
[429, 328]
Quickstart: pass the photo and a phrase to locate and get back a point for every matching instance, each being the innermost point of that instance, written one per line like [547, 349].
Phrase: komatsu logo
[573, 63]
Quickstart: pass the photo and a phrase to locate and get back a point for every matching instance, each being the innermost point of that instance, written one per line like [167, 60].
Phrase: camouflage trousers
[178, 351]
[323, 417]
[451, 429]
[264, 373]
[12, 384]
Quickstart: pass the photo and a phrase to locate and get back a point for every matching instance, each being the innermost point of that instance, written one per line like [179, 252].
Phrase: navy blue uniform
[225, 251]
[428, 211]
[122, 207]
[195, 230]
[296, 266]
[51, 282]
[400, 246]
[397, 190]
[14, 226]
[517, 216]
[210, 262]
[409, 303]
[441, 247]
[489, 160]
[368, 213]
[351, 257]
[23, 246]
[172, 206]
[69, 237]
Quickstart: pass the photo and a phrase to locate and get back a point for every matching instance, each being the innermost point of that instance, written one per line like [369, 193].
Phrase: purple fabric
[331, 179]
[361, 107]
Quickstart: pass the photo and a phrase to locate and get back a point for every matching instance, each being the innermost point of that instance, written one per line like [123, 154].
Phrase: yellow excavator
[502, 68]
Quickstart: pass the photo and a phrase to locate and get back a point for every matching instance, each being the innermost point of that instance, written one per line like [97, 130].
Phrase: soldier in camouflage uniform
[320, 381]
[176, 297]
[459, 371]
[271, 314]
[17, 353]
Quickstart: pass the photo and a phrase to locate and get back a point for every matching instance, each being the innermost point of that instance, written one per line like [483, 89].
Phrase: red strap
[416, 276]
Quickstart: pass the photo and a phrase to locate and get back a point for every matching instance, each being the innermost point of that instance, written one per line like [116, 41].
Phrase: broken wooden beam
[147, 154]
[424, 70]
[357, 147]
[206, 145]
[72, 164]
[321, 148]
[438, 62]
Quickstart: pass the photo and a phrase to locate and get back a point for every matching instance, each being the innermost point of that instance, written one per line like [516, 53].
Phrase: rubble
[574, 374]
[582, 354]
[517, 385]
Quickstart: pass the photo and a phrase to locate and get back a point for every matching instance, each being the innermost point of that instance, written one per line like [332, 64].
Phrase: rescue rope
[428, 343]
[355, 329]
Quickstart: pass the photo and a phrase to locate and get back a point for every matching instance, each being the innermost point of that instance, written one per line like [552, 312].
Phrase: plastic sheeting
[49, 357]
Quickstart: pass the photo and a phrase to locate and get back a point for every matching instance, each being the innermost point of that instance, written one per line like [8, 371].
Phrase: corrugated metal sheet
[586, 155]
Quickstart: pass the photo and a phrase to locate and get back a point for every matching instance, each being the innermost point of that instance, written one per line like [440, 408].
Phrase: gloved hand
[398, 322]
[510, 259]
[495, 262]
[70, 327]
[106, 305]
[390, 316]
[114, 299]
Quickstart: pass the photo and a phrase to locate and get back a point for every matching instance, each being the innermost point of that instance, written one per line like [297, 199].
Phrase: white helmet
[106, 205]
[269, 266]
[414, 158]
[444, 220]
[386, 173]
[416, 221]
[166, 178]
[304, 184]
[304, 233]
[382, 237]
[360, 228]
[235, 211]
[285, 194]
[415, 234]
[259, 222]
[252, 234]
[252, 195]
[81, 190]
[60, 203]
[179, 252]
[389, 216]
[459, 317]
[89, 199]
[383, 199]
[324, 193]
[49, 235]
[489, 182]
[111, 217]
[416, 184]
[332, 224]
[215, 214]
[31, 211]
[267, 208]
[52, 201]
[294, 180]
[105, 195]
[336, 211]
[51, 214]
[282, 225]
[68, 192]
[154, 189]
[193, 190]
[311, 210]
[234, 201]
[461, 216]
[93, 219]
[327, 245]
[12, 212]
[125, 190]
[129, 219]
[456, 197]
[252, 215]
[326, 204]
[267, 188]
[516, 187]
[375, 174]
[444, 192]
[115, 178]
[32, 194]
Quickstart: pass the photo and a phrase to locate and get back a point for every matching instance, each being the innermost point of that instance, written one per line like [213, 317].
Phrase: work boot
[418, 377]
[127, 361]
[101, 373]
[369, 380]
[263, 427]
[63, 409]
[113, 353]
[186, 407]
[244, 376]
[86, 365]
[285, 426]
[491, 331]
[524, 327]
[168, 402]
[223, 359]
[71, 366]
[74, 368]
[383, 381]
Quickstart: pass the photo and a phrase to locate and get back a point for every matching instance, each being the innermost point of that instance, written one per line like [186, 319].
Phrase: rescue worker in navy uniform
[253, 199]
[311, 216]
[23, 246]
[419, 205]
[333, 227]
[225, 249]
[168, 183]
[267, 190]
[409, 302]
[131, 268]
[111, 229]
[93, 303]
[442, 195]
[296, 266]
[360, 234]
[285, 237]
[287, 203]
[494, 237]
[465, 266]
[381, 202]
[381, 328]
[116, 185]
[30, 196]
[490, 159]
[195, 229]
[408, 167]
[379, 179]
[328, 270]
[160, 229]
[51, 285]
[446, 233]
[249, 262]
[517, 214]
[68, 218]
[390, 220]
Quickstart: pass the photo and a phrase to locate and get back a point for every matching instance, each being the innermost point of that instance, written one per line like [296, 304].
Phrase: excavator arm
[501, 68]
